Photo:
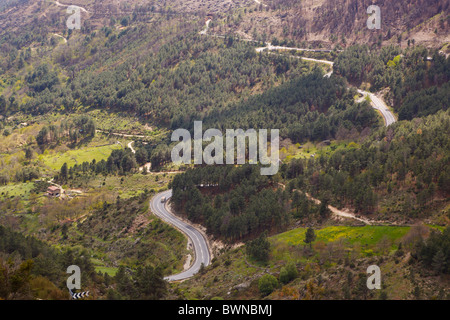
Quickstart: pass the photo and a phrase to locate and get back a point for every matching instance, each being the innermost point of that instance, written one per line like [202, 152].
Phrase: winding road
[379, 105]
[200, 245]
[376, 102]
[201, 249]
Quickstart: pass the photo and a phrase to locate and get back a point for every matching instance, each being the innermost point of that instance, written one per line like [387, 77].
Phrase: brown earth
[316, 23]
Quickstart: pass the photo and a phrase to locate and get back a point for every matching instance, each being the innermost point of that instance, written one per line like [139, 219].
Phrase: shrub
[266, 284]
[284, 276]
[288, 273]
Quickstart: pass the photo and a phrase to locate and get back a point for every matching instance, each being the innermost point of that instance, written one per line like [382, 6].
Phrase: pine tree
[284, 276]
[323, 210]
[438, 263]
[2, 104]
[310, 236]
[28, 153]
[64, 172]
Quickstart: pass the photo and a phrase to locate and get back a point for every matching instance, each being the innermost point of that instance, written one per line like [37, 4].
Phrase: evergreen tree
[259, 248]
[310, 237]
[64, 172]
[439, 262]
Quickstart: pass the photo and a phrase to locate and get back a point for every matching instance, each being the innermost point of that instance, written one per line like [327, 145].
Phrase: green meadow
[367, 236]
[17, 190]
[78, 156]
[131, 185]
[309, 149]
[111, 271]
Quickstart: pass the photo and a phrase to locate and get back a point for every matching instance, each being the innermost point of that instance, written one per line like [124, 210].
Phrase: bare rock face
[241, 286]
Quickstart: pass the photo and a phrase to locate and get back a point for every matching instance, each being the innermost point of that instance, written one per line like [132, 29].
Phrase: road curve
[376, 102]
[201, 250]
[60, 36]
[59, 4]
[205, 31]
[130, 145]
[379, 105]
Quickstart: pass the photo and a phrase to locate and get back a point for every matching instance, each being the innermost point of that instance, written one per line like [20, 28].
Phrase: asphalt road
[201, 251]
[376, 102]
[130, 145]
[379, 104]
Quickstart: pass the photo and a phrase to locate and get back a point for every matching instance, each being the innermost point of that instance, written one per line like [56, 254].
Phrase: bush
[288, 273]
[266, 284]
[284, 276]
[292, 270]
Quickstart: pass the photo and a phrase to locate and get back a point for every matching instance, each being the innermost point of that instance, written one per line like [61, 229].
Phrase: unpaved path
[121, 134]
[335, 211]
[58, 35]
[59, 4]
[259, 2]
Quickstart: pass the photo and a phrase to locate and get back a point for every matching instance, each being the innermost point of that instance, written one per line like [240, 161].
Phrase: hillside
[331, 23]
[334, 268]
[320, 23]
[86, 149]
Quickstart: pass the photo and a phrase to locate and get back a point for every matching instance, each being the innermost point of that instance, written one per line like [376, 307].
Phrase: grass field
[100, 266]
[111, 271]
[17, 190]
[131, 185]
[367, 236]
[309, 149]
[78, 156]
[119, 123]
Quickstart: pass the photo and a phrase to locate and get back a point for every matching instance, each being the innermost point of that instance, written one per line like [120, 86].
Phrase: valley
[87, 170]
